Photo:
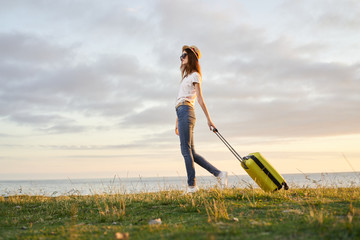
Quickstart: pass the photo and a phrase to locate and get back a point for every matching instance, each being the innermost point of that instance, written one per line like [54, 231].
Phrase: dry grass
[302, 213]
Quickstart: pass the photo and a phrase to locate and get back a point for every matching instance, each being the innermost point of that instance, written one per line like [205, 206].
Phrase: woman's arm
[177, 126]
[203, 105]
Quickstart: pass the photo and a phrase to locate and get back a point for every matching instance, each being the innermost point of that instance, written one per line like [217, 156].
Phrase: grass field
[303, 213]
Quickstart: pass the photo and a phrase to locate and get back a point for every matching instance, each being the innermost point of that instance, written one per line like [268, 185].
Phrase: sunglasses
[183, 56]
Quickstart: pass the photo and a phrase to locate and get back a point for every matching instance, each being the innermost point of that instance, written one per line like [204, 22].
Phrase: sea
[118, 185]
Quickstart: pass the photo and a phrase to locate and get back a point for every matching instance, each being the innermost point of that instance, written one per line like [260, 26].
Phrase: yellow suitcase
[258, 168]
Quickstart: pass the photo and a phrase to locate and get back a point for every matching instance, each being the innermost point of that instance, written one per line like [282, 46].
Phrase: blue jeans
[186, 123]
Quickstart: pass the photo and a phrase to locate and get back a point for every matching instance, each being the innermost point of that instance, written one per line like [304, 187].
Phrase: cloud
[110, 85]
[265, 86]
[71, 147]
[290, 97]
[87, 147]
[153, 116]
[17, 47]
[4, 135]
[328, 15]
[48, 123]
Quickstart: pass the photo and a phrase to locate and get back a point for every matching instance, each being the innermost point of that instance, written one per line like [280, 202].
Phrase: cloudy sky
[88, 87]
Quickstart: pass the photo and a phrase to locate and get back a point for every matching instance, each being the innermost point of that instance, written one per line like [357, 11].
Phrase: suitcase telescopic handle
[228, 146]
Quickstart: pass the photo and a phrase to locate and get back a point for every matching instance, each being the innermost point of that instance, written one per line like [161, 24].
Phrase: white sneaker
[222, 178]
[191, 189]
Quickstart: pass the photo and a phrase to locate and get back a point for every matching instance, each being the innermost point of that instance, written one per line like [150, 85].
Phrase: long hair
[191, 66]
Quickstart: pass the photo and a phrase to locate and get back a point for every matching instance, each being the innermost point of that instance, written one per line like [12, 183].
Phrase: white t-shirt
[187, 89]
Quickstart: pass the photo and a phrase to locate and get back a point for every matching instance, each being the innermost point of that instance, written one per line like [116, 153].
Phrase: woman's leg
[186, 121]
[205, 164]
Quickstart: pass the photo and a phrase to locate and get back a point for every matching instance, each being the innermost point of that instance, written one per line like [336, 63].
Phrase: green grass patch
[304, 213]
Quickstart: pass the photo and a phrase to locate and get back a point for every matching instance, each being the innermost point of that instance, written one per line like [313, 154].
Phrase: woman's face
[184, 58]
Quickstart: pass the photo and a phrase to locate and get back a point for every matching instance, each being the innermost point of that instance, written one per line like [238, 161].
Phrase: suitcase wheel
[286, 187]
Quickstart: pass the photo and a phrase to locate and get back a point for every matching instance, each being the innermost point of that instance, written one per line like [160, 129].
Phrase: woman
[190, 89]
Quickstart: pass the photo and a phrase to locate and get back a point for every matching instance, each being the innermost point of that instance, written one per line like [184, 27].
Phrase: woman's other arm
[177, 126]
